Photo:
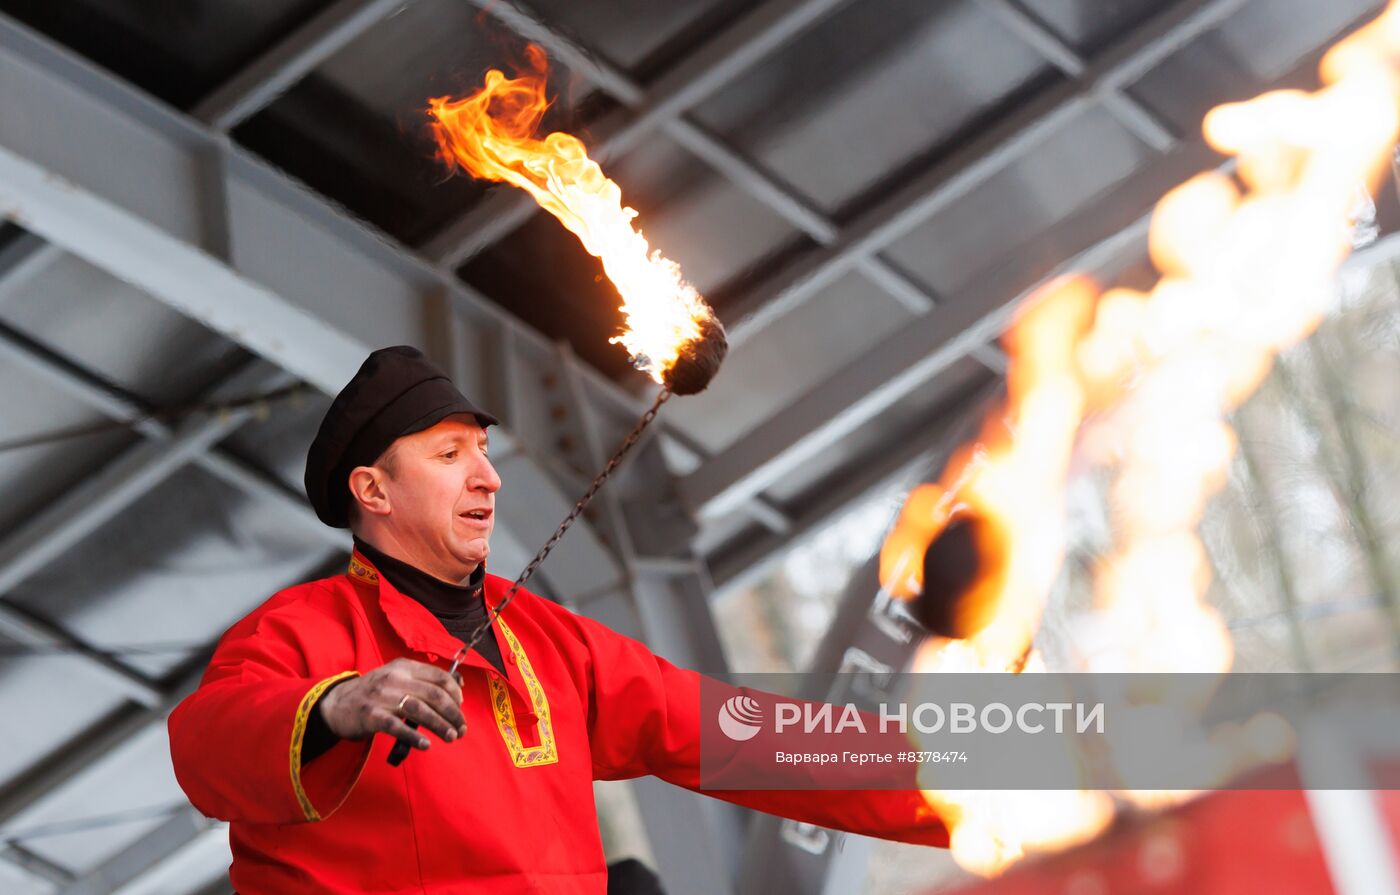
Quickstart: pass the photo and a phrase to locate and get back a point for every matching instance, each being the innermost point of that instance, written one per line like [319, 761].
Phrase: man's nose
[485, 477]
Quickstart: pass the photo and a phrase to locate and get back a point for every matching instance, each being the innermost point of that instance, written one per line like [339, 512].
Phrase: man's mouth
[477, 515]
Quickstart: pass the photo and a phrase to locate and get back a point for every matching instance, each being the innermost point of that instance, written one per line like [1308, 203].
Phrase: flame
[1247, 271]
[1004, 479]
[491, 135]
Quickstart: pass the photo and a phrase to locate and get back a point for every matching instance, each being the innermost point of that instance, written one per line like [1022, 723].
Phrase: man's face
[442, 496]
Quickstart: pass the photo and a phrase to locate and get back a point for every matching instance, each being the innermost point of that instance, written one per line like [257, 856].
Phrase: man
[280, 738]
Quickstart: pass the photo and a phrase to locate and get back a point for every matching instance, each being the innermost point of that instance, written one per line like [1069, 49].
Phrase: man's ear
[367, 489]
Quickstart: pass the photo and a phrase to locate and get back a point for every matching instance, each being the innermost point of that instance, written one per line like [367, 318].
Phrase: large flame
[491, 134]
[1247, 271]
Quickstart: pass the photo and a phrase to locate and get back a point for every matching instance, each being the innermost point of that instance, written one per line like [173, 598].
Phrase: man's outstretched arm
[645, 719]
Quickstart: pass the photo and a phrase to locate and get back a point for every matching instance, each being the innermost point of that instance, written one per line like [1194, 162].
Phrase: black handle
[401, 748]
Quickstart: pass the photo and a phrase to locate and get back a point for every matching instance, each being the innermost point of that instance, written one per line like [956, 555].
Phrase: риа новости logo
[740, 717]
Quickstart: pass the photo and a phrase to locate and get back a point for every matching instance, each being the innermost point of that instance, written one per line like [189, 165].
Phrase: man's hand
[369, 704]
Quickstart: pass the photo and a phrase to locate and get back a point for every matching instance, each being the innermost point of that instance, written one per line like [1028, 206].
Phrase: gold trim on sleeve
[523, 756]
[308, 702]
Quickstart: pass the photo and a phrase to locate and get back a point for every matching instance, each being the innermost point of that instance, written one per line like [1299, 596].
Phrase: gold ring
[401, 702]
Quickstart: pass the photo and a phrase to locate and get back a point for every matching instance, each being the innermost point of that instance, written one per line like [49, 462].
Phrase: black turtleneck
[460, 608]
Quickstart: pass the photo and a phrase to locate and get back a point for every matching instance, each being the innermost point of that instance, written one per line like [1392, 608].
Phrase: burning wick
[953, 564]
[670, 333]
[698, 360]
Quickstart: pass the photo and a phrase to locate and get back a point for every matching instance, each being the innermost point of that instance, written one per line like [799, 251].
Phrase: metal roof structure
[213, 199]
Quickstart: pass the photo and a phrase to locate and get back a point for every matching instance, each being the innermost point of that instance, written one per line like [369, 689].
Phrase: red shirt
[507, 808]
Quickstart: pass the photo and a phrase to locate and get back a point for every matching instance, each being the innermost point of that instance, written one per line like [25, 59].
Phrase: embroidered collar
[419, 629]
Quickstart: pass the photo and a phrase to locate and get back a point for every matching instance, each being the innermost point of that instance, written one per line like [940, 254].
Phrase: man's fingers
[387, 722]
[440, 678]
[415, 709]
[440, 701]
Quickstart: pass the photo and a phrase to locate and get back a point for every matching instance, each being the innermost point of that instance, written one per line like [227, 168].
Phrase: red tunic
[507, 808]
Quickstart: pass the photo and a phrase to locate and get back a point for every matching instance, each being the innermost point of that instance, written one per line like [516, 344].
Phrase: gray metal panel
[845, 320]
[869, 91]
[630, 31]
[188, 560]
[679, 196]
[425, 48]
[33, 476]
[1239, 58]
[30, 687]
[1005, 219]
[137, 775]
[317, 262]
[705, 70]
[867, 386]
[285, 63]
[119, 333]
[16, 881]
[938, 185]
[1088, 24]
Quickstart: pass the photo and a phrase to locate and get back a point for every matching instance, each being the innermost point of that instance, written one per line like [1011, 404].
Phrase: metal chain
[627, 443]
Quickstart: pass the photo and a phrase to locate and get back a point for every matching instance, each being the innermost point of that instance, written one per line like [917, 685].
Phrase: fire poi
[1141, 383]
[670, 332]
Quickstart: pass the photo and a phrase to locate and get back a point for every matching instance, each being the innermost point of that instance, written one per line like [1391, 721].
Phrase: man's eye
[450, 455]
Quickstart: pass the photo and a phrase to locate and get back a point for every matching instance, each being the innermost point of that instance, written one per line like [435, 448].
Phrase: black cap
[396, 392]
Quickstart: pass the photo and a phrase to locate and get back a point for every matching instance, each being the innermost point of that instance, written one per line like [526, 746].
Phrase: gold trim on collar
[523, 756]
[308, 702]
[362, 571]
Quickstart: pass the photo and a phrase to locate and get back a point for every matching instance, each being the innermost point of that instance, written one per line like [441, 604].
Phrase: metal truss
[705, 145]
[126, 478]
[1144, 123]
[796, 209]
[727, 482]
[663, 602]
[913, 358]
[979, 159]
[291, 59]
[105, 736]
[702, 73]
[173, 835]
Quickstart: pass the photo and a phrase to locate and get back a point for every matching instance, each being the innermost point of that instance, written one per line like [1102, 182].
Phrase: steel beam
[289, 60]
[35, 865]
[98, 499]
[700, 75]
[41, 635]
[913, 357]
[307, 288]
[885, 375]
[981, 158]
[117, 405]
[1144, 123]
[102, 738]
[911, 449]
[666, 603]
[173, 835]
[781, 199]
[22, 260]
